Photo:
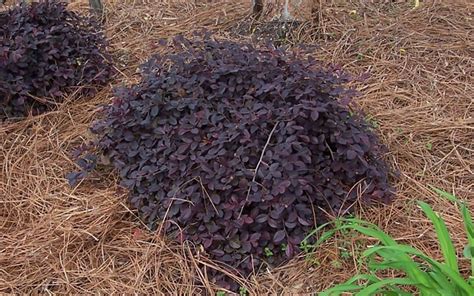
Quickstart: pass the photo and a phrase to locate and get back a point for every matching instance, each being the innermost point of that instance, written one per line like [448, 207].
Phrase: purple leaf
[279, 236]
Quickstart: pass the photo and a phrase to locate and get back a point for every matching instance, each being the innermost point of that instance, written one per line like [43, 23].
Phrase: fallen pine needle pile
[419, 97]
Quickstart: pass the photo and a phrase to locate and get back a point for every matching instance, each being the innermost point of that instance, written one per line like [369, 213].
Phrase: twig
[171, 202]
[256, 168]
[207, 194]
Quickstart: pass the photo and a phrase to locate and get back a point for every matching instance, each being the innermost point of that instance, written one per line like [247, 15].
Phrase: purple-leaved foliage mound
[45, 50]
[239, 149]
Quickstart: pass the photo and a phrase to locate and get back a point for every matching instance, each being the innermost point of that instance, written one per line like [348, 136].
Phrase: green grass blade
[467, 219]
[394, 291]
[444, 239]
[397, 258]
[446, 195]
[376, 287]
[445, 286]
[315, 231]
[366, 277]
[324, 237]
[371, 231]
[437, 280]
[445, 269]
[459, 282]
[469, 226]
[411, 267]
[350, 285]
[339, 289]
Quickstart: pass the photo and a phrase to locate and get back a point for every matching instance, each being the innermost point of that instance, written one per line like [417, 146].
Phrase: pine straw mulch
[54, 239]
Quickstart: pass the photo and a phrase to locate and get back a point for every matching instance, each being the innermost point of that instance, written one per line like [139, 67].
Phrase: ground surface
[54, 239]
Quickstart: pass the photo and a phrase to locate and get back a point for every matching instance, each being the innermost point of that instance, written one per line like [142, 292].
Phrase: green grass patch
[420, 272]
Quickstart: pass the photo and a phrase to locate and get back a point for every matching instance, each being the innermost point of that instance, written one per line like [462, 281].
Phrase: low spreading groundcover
[45, 51]
[240, 150]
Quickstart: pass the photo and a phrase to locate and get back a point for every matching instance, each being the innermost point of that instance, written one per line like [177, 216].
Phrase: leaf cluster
[45, 50]
[422, 273]
[240, 149]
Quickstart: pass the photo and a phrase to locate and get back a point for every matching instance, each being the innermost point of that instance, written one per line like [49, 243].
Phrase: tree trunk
[316, 10]
[257, 8]
[96, 7]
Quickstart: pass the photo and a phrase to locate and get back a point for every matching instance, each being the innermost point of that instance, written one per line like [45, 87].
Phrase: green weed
[372, 121]
[268, 252]
[426, 275]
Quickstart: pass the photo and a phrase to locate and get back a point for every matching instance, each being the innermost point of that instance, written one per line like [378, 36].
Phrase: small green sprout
[336, 264]
[372, 121]
[243, 291]
[268, 252]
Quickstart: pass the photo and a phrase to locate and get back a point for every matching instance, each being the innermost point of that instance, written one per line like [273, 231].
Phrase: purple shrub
[240, 149]
[45, 50]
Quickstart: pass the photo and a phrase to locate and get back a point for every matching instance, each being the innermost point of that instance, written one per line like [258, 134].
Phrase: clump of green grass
[422, 273]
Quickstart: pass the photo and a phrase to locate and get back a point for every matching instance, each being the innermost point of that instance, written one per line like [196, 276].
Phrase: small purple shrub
[45, 50]
[240, 149]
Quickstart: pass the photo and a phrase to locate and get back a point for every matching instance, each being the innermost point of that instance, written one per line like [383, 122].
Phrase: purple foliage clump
[239, 149]
[45, 50]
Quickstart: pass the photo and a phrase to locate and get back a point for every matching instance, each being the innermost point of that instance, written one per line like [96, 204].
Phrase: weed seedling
[268, 252]
[243, 291]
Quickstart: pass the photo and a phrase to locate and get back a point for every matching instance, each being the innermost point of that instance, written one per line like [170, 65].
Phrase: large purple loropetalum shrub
[239, 149]
[45, 50]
